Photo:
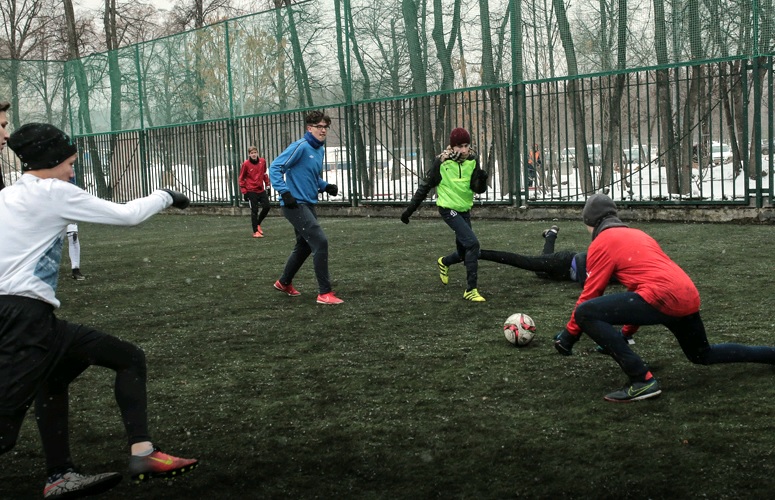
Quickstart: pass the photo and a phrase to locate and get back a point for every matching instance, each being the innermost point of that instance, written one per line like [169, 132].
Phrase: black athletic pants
[41, 355]
[256, 199]
[552, 265]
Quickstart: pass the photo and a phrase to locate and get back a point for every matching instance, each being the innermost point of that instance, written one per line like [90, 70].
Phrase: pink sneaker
[261, 231]
[329, 298]
[258, 234]
[159, 464]
[286, 289]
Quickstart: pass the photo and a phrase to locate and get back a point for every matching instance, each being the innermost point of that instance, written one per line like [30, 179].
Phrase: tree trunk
[422, 110]
[575, 99]
[667, 156]
[82, 88]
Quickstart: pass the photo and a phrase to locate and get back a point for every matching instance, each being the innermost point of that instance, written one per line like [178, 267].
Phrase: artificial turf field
[406, 390]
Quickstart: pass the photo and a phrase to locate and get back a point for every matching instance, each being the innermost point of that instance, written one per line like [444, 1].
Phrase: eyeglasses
[321, 127]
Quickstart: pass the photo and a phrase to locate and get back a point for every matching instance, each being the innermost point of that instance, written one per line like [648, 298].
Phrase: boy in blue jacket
[297, 176]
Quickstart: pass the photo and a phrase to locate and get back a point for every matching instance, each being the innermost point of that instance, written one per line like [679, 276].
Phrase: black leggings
[550, 264]
[75, 348]
[597, 318]
[256, 199]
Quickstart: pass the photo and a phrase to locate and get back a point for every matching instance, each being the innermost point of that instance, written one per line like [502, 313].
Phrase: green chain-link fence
[615, 96]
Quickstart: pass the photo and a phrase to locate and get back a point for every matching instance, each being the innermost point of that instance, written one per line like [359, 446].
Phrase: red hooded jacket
[637, 261]
[253, 177]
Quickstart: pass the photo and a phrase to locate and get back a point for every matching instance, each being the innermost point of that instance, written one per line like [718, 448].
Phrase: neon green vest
[454, 190]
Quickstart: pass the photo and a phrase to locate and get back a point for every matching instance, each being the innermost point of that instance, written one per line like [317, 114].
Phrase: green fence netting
[328, 52]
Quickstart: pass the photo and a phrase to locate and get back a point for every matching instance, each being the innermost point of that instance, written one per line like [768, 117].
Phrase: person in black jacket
[456, 175]
[559, 266]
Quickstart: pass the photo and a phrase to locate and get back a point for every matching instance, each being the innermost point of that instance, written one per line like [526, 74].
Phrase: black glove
[245, 196]
[268, 191]
[288, 200]
[332, 189]
[564, 341]
[405, 216]
[179, 200]
[478, 182]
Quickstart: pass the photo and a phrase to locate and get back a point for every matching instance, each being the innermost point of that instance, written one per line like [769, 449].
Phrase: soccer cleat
[563, 342]
[635, 392]
[72, 484]
[286, 289]
[258, 234]
[259, 230]
[77, 275]
[329, 298]
[443, 271]
[473, 296]
[553, 229]
[159, 464]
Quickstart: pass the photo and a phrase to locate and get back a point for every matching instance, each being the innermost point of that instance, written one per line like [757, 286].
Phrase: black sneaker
[77, 275]
[72, 484]
[635, 392]
[553, 229]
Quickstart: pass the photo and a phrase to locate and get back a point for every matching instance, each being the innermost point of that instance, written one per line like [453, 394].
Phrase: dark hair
[314, 117]
[5, 106]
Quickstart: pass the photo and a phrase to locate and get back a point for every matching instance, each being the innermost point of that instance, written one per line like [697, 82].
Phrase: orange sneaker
[329, 298]
[286, 289]
[258, 234]
[159, 464]
[260, 230]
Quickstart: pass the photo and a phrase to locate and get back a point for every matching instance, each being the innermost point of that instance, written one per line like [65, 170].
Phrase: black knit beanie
[40, 146]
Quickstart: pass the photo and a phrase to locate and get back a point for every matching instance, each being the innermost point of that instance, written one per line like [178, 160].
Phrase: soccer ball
[519, 329]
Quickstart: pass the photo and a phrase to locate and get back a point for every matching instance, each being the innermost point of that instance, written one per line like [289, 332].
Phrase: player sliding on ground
[658, 292]
[40, 355]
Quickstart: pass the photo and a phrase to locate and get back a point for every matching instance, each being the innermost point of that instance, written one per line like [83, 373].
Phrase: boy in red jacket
[658, 292]
[254, 185]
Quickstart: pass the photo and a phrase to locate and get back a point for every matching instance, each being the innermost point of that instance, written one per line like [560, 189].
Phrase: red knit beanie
[459, 136]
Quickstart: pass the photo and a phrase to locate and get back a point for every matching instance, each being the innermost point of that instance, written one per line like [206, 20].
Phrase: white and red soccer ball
[519, 329]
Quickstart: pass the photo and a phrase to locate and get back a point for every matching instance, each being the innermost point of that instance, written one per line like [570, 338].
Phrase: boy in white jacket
[40, 354]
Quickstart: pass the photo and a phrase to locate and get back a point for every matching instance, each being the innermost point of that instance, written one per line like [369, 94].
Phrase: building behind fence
[658, 107]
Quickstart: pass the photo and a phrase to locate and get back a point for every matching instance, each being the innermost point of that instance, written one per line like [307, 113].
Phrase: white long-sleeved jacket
[34, 214]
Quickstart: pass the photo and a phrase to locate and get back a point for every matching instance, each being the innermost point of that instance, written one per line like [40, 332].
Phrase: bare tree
[575, 98]
[104, 190]
[388, 61]
[410, 10]
[444, 49]
[24, 31]
[114, 70]
[194, 14]
[495, 101]
[667, 154]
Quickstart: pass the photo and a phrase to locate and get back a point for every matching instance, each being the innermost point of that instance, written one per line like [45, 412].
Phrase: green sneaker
[443, 271]
[473, 296]
[635, 392]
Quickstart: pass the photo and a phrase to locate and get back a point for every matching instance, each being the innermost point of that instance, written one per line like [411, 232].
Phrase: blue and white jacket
[299, 170]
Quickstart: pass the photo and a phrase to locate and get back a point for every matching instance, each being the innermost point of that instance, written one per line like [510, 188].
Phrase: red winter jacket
[637, 261]
[253, 177]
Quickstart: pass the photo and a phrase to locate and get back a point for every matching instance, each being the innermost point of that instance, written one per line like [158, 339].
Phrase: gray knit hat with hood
[600, 213]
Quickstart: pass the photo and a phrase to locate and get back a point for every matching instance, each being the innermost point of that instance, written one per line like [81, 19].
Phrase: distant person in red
[658, 292]
[254, 185]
